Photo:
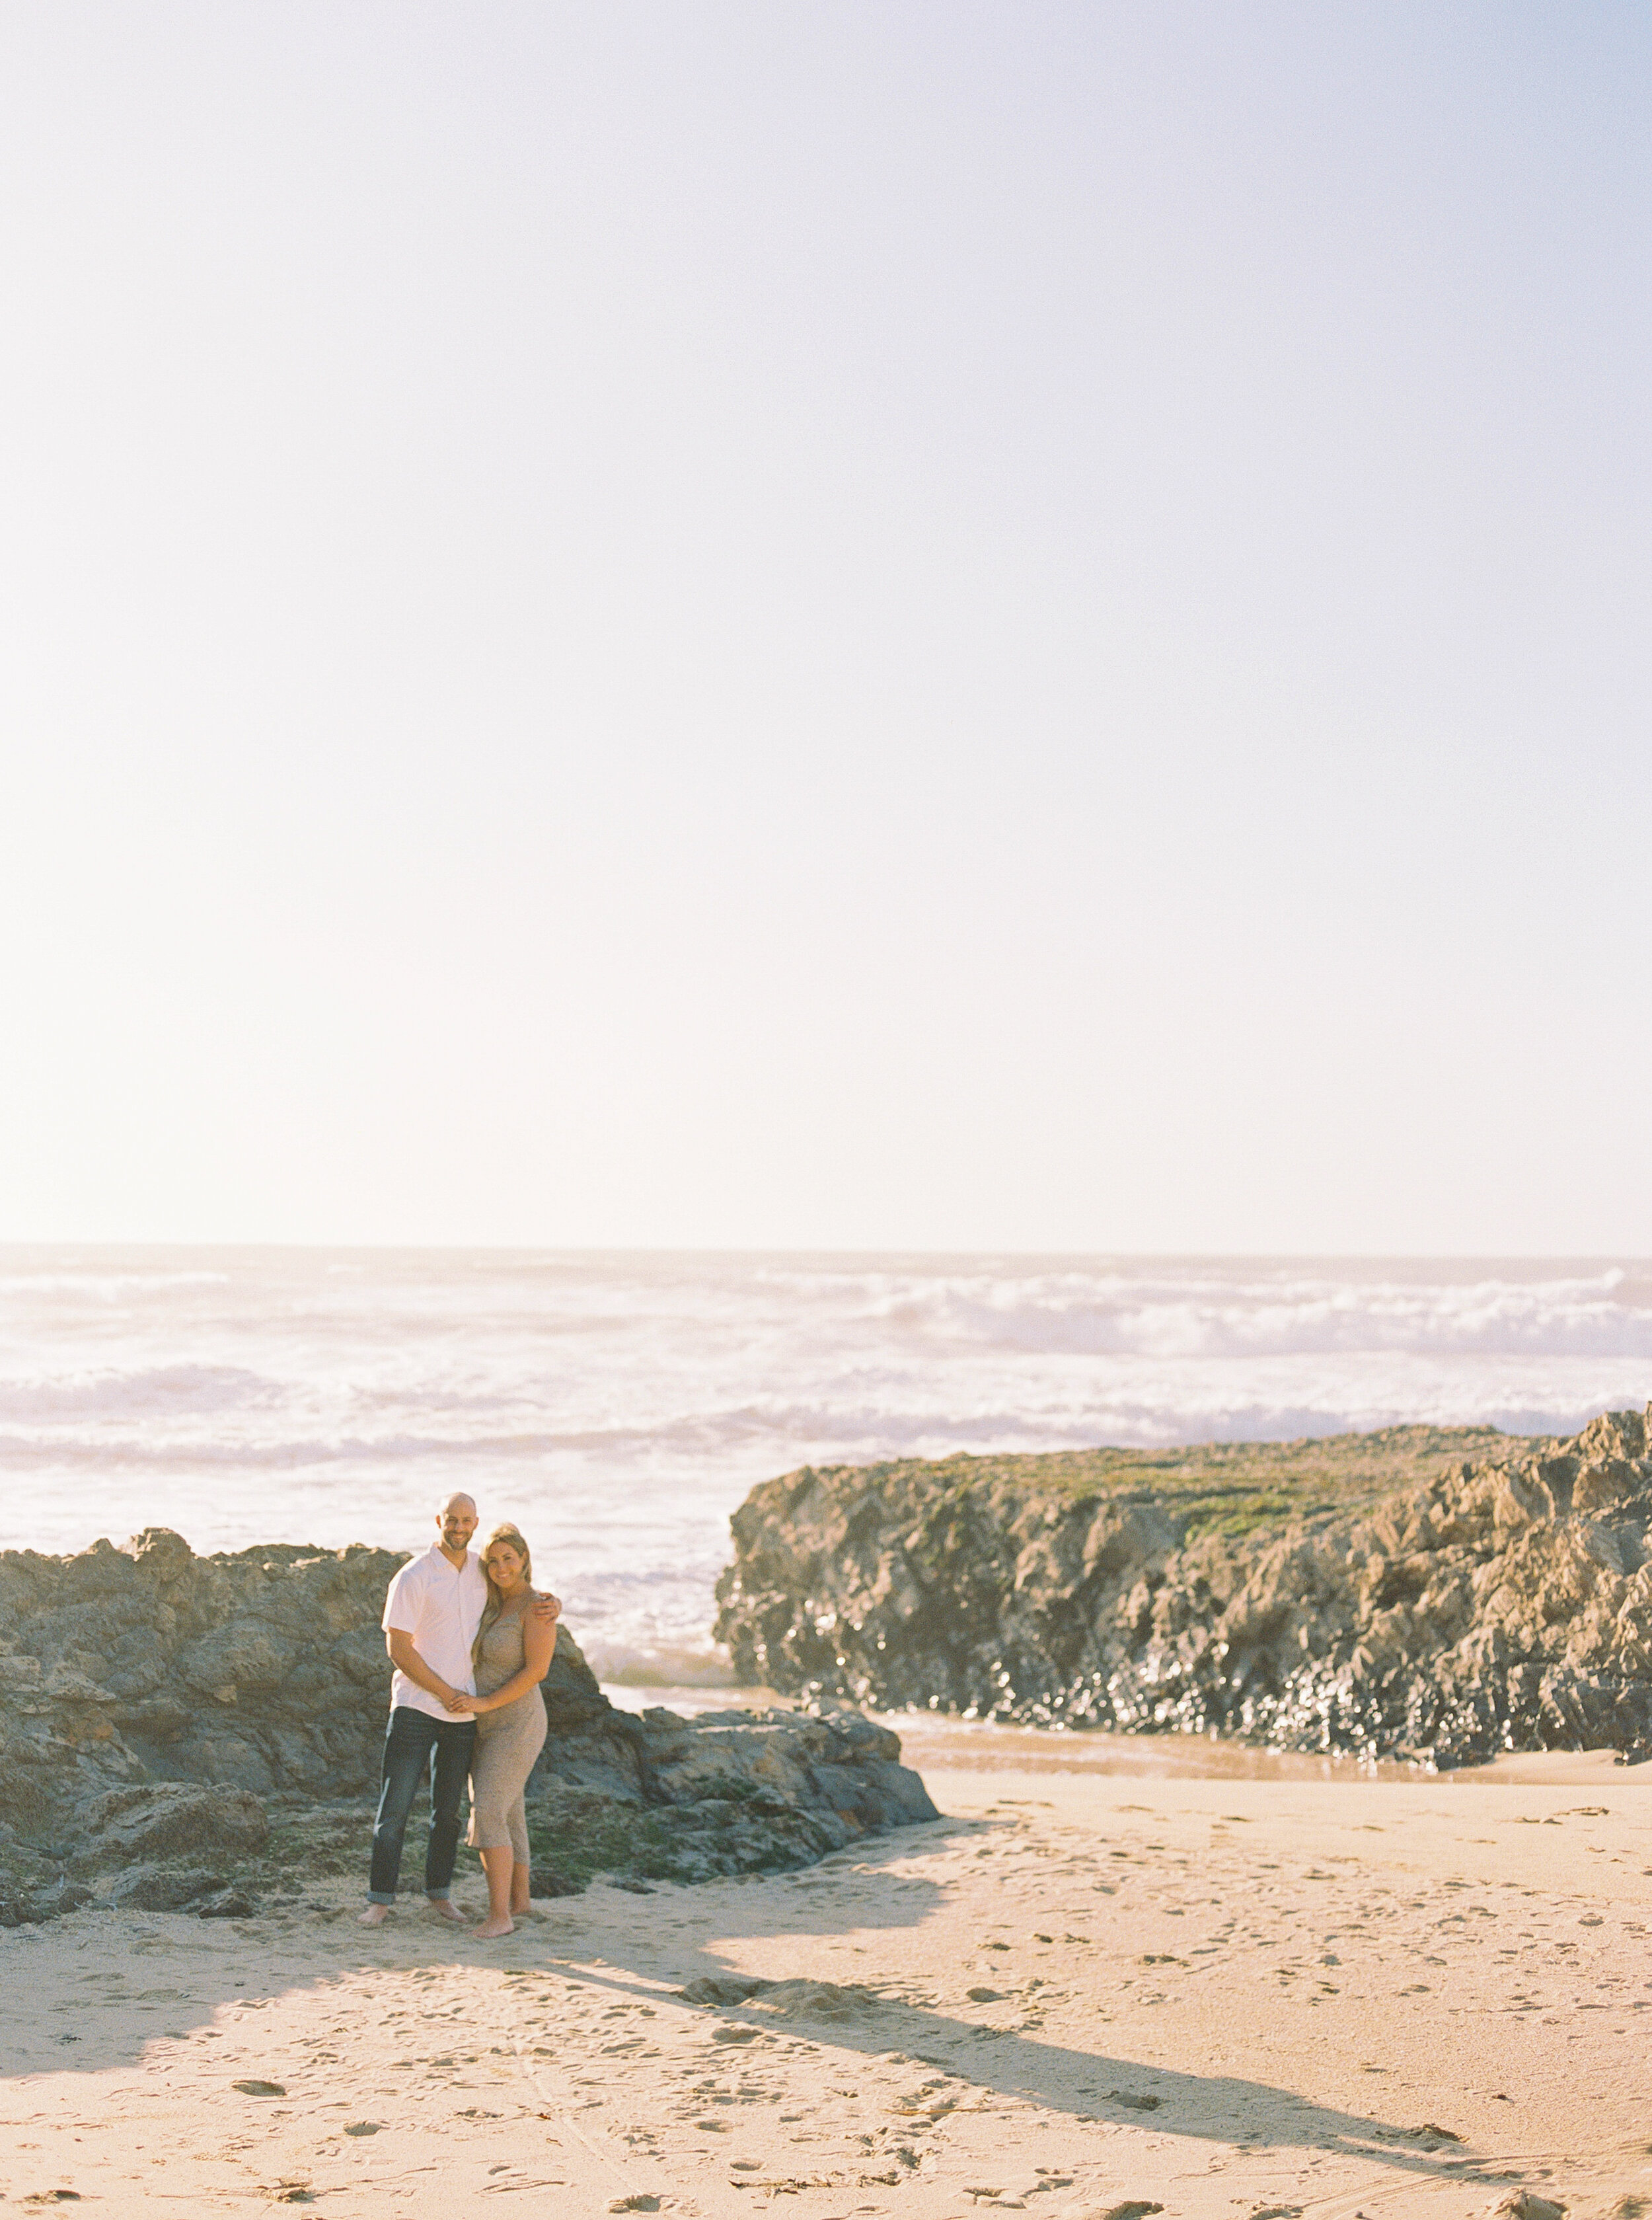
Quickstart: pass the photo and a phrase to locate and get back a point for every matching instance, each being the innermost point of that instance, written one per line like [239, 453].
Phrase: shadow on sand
[114, 2014]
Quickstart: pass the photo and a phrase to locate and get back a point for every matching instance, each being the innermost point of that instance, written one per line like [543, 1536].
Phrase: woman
[512, 1655]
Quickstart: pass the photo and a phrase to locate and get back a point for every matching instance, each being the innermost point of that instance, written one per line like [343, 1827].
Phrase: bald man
[431, 1617]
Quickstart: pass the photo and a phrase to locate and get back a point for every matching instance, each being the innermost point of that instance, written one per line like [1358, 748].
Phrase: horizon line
[707, 1251]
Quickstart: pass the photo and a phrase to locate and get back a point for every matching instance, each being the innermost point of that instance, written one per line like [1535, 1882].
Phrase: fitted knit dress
[507, 1743]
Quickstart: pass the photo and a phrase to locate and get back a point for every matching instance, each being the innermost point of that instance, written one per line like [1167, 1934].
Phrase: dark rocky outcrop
[1503, 1603]
[183, 1732]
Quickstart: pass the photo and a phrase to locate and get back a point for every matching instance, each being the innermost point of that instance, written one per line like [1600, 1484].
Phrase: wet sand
[1115, 1978]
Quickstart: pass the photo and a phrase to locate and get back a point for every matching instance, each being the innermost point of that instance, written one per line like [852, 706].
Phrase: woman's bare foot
[375, 1915]
[490, 1928]
[445, 1908]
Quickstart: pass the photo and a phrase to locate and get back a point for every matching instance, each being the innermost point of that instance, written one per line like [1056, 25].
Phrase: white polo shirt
[440, 1606]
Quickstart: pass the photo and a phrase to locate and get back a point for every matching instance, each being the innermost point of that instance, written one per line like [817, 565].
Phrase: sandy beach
[1110, 1981]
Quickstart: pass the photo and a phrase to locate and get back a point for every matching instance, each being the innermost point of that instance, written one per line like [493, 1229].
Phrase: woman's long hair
[505, 1531]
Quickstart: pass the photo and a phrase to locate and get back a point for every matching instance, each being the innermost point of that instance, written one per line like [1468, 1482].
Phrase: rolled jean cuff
[439, 1895]
[378, 1896]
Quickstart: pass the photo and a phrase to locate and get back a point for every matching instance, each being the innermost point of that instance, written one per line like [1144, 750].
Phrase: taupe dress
[507, 1743]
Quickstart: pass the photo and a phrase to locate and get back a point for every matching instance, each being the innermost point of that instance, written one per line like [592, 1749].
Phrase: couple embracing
[471, 1640]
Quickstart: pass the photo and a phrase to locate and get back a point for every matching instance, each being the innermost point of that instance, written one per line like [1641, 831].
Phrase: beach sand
[1110, 1981]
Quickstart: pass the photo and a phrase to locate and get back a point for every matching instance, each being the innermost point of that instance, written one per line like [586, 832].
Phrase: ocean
[619, 1406]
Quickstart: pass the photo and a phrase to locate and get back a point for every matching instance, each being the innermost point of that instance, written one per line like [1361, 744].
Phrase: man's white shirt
[440, 1605]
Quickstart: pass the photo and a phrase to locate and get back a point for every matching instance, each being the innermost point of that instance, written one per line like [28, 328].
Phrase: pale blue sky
[855, 625]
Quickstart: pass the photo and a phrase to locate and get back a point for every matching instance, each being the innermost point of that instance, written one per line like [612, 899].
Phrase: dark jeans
[410, 1739]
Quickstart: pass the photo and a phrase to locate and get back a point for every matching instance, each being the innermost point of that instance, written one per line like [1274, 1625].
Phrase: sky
[871, 626]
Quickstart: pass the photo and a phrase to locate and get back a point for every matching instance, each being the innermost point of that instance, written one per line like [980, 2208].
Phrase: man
[431, 1617]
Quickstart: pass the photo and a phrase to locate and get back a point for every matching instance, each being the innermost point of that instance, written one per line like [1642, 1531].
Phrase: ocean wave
[228, 1455]
[1185, 1318]
[741, 1446]
[157, 1393]
[106, 1286]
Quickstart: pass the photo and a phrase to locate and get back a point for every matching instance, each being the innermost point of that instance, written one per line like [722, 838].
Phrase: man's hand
[407, 1660]
[546, 1605]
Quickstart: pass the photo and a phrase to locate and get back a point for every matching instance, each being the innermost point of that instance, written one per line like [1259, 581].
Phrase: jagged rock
[841, 1764]
[163, 1888]
[226, 1904]
[728, 1793]
[126, 1826]
[32, 1907]
[147, 1755]
[1505, 1603]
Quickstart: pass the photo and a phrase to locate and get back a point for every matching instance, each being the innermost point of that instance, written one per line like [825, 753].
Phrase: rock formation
[183, 1731]
[1505, 1603]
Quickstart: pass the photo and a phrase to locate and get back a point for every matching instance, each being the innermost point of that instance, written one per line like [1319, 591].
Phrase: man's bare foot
[490, 1928]
[445, 1908]
[375, 1915]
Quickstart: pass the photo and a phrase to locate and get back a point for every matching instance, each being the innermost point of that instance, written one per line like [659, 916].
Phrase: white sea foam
[620, 1407]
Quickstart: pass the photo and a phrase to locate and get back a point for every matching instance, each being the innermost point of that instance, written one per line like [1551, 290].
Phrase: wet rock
[1503, 1603]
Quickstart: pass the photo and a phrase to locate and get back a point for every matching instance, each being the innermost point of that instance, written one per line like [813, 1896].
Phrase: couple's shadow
[873, 2018]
